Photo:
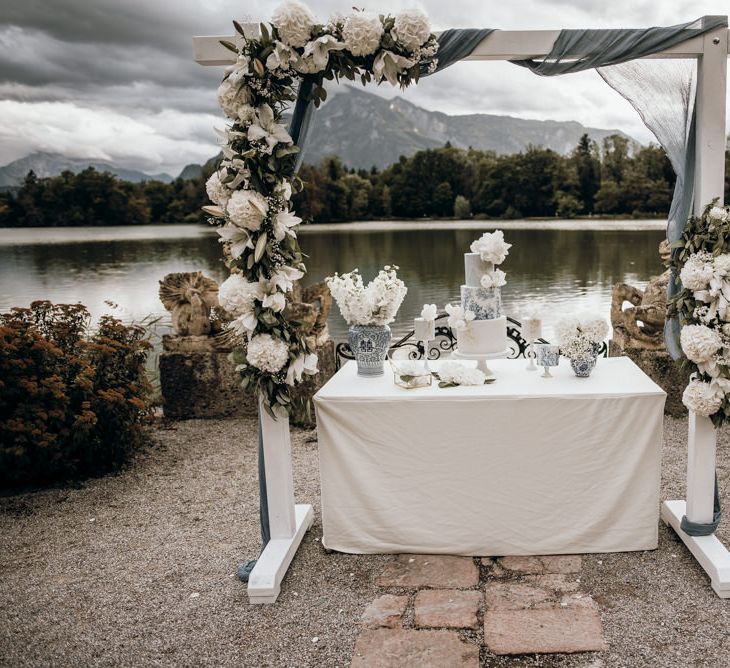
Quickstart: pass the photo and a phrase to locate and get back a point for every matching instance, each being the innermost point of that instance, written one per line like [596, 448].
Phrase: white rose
[294, 22]
[411, 28]
[702, 398]
[429, 312]
[267, 353]
[699, 343]
[362, 33]
[247, 209]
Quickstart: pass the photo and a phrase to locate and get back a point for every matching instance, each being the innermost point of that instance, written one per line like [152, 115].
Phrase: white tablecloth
[527, 465]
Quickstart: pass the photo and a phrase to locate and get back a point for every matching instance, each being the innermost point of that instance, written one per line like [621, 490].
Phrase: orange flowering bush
[73, 403]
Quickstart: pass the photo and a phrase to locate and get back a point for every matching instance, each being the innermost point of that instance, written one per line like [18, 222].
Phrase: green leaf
[229, 45]
[265, 37]
[489, 381]
[239, 28]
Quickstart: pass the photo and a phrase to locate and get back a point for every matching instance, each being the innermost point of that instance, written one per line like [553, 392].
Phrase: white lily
[284, 278]
[276, 301]
[282, 224]
[268, 129]
[303, 364]
[387, 65]
[237, 237]
[319, 49]
[280, 56]
[283, 189]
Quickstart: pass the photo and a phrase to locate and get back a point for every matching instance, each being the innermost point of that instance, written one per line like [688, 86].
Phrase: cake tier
[483, 337]
[484, 303]
[475, 268]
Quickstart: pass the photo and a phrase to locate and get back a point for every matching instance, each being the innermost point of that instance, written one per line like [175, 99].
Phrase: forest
[608, 180]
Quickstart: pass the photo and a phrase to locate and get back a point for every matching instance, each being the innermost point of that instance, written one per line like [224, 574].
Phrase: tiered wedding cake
[481, 329]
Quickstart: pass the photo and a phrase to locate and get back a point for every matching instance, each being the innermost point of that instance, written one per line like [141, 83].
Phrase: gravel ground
[139, 569]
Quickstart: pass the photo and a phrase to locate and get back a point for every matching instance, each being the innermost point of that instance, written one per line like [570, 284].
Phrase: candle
[532, 328]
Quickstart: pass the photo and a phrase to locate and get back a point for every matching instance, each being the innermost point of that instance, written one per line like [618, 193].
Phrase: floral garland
[252, 188]
[701, 259]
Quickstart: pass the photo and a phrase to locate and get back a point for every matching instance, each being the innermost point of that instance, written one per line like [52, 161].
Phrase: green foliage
[462, 207]
[72, 403]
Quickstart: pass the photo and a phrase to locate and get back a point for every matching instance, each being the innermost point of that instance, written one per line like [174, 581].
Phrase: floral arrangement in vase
[580, 339]
[368, 309]
[701, 259]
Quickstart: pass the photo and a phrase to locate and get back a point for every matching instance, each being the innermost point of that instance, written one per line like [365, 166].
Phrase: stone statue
[190, 297]
[641, 325]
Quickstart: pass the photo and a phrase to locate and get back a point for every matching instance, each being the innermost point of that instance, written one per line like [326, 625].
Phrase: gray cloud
[104, 77]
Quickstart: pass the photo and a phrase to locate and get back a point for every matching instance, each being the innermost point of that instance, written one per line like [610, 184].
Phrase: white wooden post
[702, 441]
[287, 522]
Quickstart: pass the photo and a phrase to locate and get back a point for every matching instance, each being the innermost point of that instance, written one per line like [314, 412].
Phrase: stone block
[447, 608]
[569, 563]
[429, 570]
[385, 611]
[407, 648]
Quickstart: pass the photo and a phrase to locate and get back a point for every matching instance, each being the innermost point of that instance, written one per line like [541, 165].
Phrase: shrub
[462, 207]
[73, 403]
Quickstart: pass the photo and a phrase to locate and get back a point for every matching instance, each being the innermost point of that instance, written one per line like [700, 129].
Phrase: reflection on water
[559, 271]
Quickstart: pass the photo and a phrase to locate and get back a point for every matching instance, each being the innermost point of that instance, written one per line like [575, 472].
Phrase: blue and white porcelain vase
[583, 367]
[369, 344]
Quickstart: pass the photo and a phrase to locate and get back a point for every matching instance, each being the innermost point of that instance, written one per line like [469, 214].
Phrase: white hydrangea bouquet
[373, 304]
[701, 260]
[580, 337]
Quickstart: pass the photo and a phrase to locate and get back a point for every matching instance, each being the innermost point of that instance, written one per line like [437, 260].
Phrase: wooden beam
[500, 45]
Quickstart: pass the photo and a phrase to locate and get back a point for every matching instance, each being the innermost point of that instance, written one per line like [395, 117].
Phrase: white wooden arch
[290, 522]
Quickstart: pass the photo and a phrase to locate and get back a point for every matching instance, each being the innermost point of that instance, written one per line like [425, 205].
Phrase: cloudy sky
[115, 80]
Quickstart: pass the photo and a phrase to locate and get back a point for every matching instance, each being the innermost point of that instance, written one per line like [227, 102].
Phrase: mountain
[52, 164]
[364, 129]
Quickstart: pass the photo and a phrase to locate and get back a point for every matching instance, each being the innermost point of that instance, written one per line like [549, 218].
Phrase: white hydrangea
[697, 271]
[703, 398]
[233, 93]
[247, 209]
[491, 247]
[699, 343]
[459, 374]
[218, 192]
[429, 312]
[362, 33]
[267, 353]
[459, 318]
[493, 279]
[721, 264]
[237, 296]
[411, 28]
[719, 213]
[294, 21]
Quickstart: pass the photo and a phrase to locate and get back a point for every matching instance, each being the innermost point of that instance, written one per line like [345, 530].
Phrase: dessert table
[526, 465]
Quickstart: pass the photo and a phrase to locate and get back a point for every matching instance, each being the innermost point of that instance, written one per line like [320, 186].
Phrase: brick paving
[441, 610]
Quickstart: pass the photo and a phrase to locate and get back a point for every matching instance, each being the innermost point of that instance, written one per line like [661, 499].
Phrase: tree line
[609, 179]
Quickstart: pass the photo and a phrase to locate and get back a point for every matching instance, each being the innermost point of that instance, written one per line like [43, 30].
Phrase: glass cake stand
[482, 359]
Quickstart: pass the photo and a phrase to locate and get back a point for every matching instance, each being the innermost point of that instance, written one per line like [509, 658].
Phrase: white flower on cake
[491, 247]
[454, 373]
[237, 238]
[294, 22]
[459, 318]
[282, 224]
[703, 398]
[374, 304]
[719, 213]
[362, 32]
[218, 193]
[697, 271]
[267, 129]
[247, 209]
[429, 312]
[411, 28]
[267, 353]
[303, 364]
[236, 296]
[493, 279]
[699, 343]
[388, 65]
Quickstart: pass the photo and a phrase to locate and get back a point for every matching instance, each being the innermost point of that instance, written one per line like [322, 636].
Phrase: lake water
[560, 271]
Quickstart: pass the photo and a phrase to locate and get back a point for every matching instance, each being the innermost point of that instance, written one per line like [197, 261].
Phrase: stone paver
[554, 581]
[513, 596]
[407, 648]
[447, 608]
[386, 610]
[568, 563]
[429, 570]
[547, 630]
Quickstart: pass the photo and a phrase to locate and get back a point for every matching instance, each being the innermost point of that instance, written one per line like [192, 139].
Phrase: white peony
[218, 192]
[247, 209]
[491, 247]
[459, 374]
[699, 343]
[697, 271]
[303, 364]
[411, 28]
[459, 318]
[703, 398]
[362, 33]
[493, 279]
[267, 129]
[282, 224]
[718, 213]
[429, 312]
[236, 296]
[294, 22]
[267, 353]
